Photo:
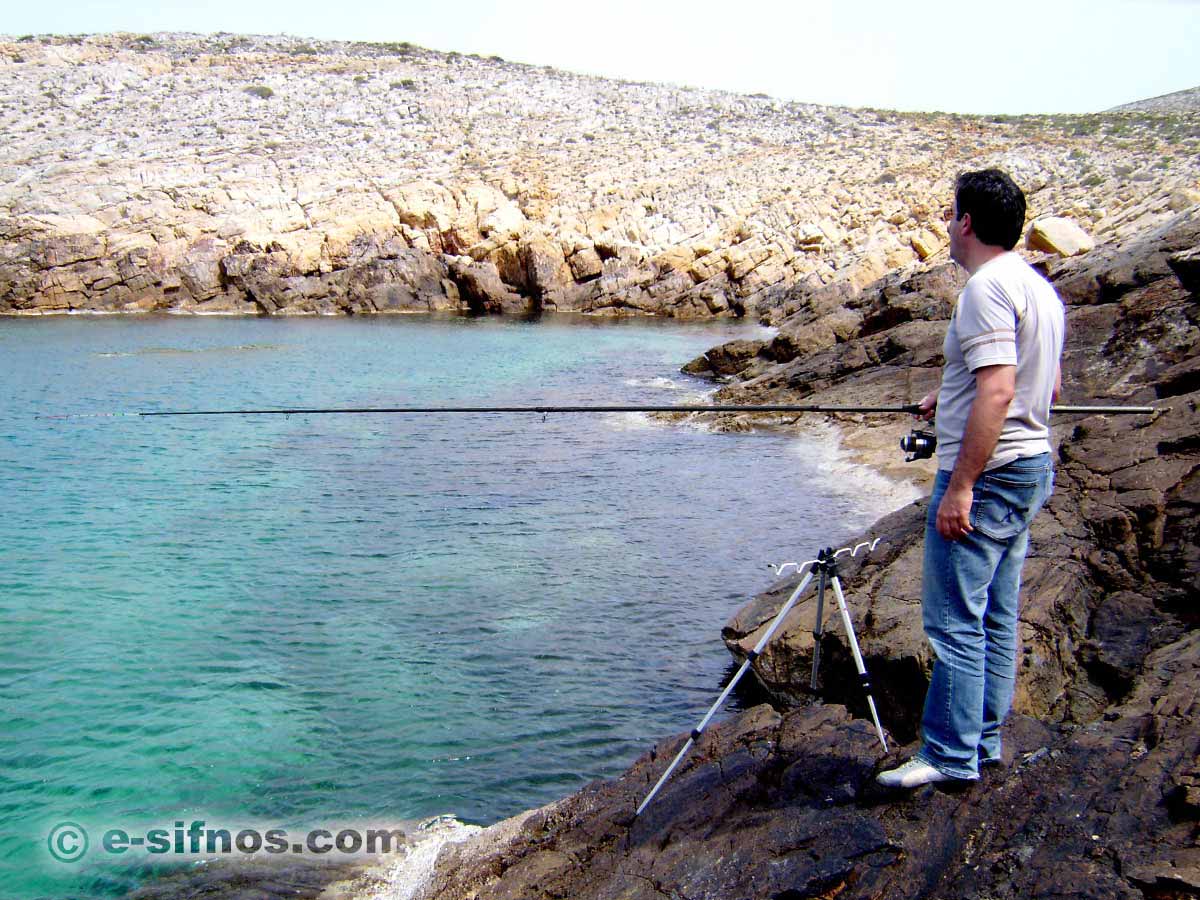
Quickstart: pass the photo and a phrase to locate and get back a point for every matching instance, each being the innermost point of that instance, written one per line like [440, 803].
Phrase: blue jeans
[969, 601]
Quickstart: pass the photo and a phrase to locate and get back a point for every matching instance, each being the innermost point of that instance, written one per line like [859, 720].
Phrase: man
[1000, 376]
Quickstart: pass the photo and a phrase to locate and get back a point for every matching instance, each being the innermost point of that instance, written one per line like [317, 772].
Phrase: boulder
[822, 334]
[926, 244]
[450, 220]
[811, 235]
[424, 205]
[1058, 235]
[506, 221]
[63, 250]
[1183, 198]
[708, 266]
[678, 257]
[929, 295]
[715, 296]
[585, 264]
[347, 218]
[726, 359]
[201, 276]
[868, 268]
[745, 257]
[482, 290]
[546, 274]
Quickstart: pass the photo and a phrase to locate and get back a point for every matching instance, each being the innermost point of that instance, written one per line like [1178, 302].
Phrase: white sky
[964, 56]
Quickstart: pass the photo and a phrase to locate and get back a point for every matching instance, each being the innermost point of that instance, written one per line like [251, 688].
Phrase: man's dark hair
[996, 205]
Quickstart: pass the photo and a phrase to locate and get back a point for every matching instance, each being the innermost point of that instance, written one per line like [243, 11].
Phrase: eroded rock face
[279, 176]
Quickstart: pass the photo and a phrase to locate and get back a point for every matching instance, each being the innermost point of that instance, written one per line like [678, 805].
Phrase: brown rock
[810, 338]
[332, 168]
[546, 274]
[768, 804]
[68, 249]
[673, 258]
[725, 359]
[1183, 199]
[585, 264]
[201, 277]
[482, 290]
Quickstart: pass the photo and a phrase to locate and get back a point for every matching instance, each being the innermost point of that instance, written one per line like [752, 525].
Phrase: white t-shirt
[1007, 314]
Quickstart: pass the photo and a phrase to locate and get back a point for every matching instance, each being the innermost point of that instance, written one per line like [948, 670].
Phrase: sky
[968, 56]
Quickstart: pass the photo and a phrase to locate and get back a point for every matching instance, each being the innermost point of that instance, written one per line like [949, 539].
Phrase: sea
[311, 621]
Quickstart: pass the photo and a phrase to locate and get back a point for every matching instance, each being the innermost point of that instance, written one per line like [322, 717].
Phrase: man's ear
[966, 223]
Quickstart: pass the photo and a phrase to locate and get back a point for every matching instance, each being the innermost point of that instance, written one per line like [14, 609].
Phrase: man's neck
[981, 255]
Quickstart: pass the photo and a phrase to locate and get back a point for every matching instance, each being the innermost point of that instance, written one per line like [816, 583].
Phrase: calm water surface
[317, 620]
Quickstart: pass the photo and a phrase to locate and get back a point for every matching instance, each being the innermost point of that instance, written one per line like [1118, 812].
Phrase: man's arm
[994, 389]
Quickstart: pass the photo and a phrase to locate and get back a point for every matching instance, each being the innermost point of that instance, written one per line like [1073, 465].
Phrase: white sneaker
[912, 774]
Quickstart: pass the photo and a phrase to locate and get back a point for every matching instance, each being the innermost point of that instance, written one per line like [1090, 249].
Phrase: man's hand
[928, 405]
[994, 389]
[954, 514]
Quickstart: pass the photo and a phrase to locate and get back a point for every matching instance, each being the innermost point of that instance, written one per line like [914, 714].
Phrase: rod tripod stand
[825, 566]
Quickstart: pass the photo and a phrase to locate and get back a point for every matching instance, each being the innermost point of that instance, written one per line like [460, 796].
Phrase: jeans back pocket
[1005, 504]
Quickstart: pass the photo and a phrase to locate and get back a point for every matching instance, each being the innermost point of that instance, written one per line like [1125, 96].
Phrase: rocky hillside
[273, 175]
[1177, 102]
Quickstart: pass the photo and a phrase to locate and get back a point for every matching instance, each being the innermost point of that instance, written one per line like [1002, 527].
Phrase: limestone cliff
[274, 175]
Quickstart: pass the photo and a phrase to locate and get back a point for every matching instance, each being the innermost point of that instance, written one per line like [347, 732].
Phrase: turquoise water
[317, 620]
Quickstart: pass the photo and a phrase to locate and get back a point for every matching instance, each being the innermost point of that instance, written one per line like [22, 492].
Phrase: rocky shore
[254, 175]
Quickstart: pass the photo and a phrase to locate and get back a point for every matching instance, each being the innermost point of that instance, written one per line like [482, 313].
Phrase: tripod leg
[858, 660]
[817, 630]
[750, 657]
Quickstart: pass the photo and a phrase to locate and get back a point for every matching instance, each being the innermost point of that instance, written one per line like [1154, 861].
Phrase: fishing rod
[919, 444]
[543, 410]
[909, 408]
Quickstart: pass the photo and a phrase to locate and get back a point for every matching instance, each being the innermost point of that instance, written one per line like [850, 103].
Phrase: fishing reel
[919, 444]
